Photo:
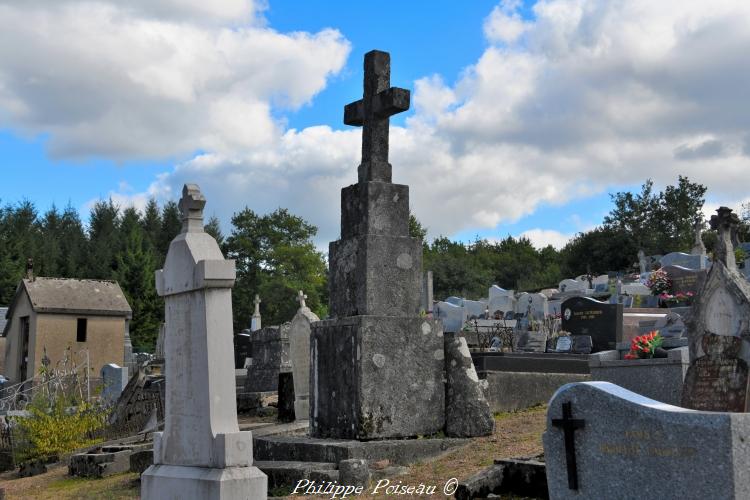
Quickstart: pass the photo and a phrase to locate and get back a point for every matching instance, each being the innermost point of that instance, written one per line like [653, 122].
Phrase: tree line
[276, 257]
[274, 253]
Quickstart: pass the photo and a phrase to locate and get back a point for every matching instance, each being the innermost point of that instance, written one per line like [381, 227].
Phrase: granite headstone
[601, 321]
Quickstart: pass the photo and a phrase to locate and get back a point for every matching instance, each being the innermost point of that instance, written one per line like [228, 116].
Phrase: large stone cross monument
[377, 367]
[201, 454]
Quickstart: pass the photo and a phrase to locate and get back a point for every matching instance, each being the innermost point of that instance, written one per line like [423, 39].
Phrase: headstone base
[377, 377]
[175, 482]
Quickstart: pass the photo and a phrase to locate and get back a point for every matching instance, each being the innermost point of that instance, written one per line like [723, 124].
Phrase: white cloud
[589, 94]
[540, 238]
[156, 78]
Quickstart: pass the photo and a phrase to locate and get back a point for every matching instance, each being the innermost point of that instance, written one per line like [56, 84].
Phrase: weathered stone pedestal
[377, 377]
[201, 454]
[376, 369]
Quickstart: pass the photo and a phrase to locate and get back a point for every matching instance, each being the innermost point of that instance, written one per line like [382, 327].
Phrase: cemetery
[630, 382]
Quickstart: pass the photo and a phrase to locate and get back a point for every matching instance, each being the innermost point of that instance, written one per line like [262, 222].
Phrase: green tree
[135, 274]
[104, 241]
[213, 227]
[275, 258]
[171, 225]
[416, 230]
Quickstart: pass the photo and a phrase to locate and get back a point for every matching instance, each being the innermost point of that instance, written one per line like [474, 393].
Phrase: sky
[524, 116]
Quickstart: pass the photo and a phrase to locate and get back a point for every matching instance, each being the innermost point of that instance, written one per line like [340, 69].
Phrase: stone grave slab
[564, 344]
[603, 441]
[531, 342]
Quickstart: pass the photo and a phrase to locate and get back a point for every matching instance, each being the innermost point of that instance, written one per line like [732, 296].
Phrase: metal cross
[372, 113]
[301, 299]
[569, 425]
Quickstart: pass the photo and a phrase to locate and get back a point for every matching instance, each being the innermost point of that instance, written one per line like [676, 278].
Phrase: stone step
[306, 449]
[288, 473]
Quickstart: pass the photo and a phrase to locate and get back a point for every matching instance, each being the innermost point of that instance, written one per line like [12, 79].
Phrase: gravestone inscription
[685, 280]
[717, 381]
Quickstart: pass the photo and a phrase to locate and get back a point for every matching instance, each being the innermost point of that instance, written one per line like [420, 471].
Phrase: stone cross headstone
[376, 336]
[255, 322]
[630, 447]
[201, 453]
[114, 380]
[373, 112]
[721, 309]
[299, 355]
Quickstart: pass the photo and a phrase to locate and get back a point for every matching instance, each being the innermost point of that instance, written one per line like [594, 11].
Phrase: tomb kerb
[376, 366]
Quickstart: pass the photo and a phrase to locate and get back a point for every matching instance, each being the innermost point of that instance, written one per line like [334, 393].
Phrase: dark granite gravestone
[270, 348]
[531, 342]
[564, 344]
[286, 397]
[376, 367]
[685, 280]
[717, 381]
[242, 349]
[586, 316]
[582, 344]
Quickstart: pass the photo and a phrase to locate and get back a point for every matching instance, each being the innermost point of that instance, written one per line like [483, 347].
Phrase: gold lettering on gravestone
[587, 314]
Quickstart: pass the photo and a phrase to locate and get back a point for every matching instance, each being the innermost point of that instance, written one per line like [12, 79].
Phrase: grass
[517, 434]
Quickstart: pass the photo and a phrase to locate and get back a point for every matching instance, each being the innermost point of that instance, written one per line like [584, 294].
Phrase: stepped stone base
[174, 482]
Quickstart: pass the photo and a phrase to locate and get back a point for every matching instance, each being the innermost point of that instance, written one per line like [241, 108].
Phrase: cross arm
[354, 113]
[391, 101]
[386, 103]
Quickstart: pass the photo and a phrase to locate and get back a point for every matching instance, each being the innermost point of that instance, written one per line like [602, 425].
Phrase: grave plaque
[532, 342]
[582, 344]
[564, 344]
[718, 380]
[601, 321]
[685, 280]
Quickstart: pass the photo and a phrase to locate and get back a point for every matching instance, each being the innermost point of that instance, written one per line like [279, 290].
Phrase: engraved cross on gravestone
[569, 425]
[372, 113]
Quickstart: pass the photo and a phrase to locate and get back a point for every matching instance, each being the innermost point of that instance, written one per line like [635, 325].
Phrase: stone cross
[301, 299]
[191, 206]
[725, 222]
[698, 247]
[201, 454]
[569, 425]
[255, 320]
[642, 261]
[372, 113]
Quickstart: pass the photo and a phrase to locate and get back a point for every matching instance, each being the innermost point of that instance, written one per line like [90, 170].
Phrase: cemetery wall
[513, 391]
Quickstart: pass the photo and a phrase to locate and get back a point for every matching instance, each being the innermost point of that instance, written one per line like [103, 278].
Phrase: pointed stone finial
[301, 299]
[725, 222]
[191, 206]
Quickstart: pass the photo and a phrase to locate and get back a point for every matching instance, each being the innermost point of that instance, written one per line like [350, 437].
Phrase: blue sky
[524, 117]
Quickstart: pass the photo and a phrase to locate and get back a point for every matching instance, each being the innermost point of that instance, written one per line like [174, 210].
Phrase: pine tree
[135, 274]
[104, 224]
